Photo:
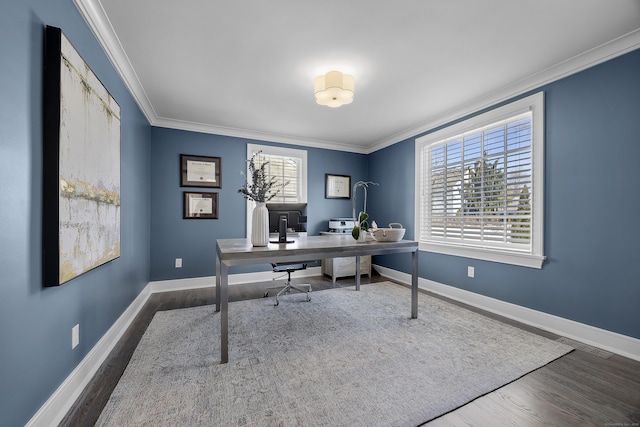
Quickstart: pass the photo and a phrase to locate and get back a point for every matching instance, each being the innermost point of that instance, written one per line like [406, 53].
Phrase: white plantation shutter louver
[476, 189]
[285, 164]
[478, 186]
[284, 169]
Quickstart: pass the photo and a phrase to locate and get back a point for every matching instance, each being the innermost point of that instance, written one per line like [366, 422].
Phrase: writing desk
[232, 252]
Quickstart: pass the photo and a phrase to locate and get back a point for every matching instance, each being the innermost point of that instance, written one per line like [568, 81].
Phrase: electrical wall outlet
[178, 262]
[75, 336]
[471, 272]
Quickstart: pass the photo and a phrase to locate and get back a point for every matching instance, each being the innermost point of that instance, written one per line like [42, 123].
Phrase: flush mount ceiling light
[334, 89]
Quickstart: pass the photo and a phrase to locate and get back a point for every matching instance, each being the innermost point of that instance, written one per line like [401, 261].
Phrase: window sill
[513, 258]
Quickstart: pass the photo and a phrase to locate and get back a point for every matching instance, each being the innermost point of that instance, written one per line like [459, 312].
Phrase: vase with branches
[260, 189]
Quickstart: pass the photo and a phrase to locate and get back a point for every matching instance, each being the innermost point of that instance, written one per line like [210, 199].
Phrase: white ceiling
[246, 68]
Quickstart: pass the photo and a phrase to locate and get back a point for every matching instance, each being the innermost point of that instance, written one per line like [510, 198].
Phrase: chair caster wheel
[276, 304]
[266, 294]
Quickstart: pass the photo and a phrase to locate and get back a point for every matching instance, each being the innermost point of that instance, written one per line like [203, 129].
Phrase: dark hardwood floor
[579, 389]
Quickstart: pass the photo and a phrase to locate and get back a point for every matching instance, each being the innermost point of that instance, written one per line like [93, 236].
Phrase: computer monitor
[295, 213]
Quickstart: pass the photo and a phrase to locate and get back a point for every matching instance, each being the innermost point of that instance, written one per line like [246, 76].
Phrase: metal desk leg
[224, 313]
[414, 285]
[217, 282]
[357, 273]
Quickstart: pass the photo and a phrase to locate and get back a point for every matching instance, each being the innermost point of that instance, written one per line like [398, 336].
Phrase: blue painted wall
[194, 240]
[592, 204]
[592, 149]
[35, 323]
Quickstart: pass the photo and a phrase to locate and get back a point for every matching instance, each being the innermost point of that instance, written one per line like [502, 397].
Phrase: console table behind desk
[232, 252]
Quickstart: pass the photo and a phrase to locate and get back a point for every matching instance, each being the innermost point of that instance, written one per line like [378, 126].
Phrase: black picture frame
[200, 171]
[337, 186]
[200, 205]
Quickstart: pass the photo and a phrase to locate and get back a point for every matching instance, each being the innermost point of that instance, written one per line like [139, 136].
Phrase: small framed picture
[337, 186]
[200, 171]
[200, 205]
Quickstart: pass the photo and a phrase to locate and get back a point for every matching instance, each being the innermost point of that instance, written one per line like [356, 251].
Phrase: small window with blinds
[286, 170]
[287, 165]
[480, 186]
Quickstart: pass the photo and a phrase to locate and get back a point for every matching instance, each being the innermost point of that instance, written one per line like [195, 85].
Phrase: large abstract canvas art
[81, 188]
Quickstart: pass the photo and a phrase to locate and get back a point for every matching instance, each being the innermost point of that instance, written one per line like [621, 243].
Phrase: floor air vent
[586, 348]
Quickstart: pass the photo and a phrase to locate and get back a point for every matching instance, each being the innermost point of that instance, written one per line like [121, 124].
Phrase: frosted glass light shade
[334, 89]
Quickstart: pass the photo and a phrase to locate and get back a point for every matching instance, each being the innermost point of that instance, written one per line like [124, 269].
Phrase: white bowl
[388, 234]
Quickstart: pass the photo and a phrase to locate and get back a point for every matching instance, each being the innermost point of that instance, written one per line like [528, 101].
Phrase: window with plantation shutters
[287, 165]
[480, 186]
[287, 170]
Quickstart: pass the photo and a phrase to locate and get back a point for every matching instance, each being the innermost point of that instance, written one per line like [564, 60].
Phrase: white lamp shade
[334, 89]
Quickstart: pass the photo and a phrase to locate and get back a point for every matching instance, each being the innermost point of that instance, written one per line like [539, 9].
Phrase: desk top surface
[240, 251]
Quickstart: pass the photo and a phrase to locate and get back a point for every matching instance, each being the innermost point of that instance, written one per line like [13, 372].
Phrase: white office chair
[288, 268]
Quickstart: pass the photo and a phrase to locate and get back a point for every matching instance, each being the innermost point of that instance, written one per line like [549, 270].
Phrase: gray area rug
[346, 358]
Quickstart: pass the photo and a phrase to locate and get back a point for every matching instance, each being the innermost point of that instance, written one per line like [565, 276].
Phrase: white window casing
[287, 164]
[480, 186]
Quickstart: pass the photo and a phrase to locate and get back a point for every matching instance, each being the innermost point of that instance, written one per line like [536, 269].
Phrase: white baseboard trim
[234, 279]
[611, 341]
[57, 406]
[59, 403]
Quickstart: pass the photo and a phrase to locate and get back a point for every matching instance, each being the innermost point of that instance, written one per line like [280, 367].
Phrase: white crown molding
[97, 19]
[588, 59]
[95, 16]
[255, 135]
